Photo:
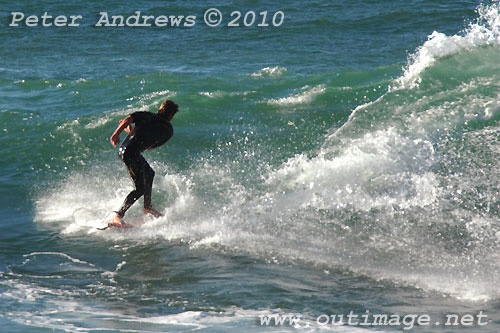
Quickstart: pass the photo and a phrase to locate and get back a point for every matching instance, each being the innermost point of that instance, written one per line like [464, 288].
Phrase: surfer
[150, 131]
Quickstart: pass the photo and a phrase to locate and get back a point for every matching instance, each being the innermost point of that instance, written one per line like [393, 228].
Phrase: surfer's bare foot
[153, 212]
[116, 222]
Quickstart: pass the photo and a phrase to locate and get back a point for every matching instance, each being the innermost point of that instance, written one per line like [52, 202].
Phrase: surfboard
[124, 226]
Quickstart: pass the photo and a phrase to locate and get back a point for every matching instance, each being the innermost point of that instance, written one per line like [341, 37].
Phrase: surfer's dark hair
[168, 109]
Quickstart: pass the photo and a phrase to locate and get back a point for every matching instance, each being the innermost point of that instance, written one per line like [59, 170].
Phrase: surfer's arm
[128, 129]
[124, 125]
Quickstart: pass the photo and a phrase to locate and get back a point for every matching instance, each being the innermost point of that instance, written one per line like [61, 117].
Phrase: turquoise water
[346, 160]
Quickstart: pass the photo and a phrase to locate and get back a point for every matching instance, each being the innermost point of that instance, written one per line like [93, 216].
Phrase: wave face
[304, 188]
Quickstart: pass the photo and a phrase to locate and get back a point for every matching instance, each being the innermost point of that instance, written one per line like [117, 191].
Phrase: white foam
[220, 93]
[270, 71]
[154, 94]
[304, 97]
[214, 94]
[85, 203]
[88, 203]
[464, 284]
[484, 32]
[75, 260]
[372, 172]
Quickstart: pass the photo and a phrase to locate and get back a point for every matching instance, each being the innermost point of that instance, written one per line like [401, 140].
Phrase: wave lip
[484, 32]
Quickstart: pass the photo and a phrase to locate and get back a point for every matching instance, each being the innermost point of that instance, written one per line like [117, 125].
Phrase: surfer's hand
[115, 140]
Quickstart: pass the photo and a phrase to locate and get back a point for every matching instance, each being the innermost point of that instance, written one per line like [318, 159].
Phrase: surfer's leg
[135, 169]
[149, 175]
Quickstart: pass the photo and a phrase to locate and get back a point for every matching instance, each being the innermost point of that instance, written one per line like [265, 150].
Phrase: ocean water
[347, 160]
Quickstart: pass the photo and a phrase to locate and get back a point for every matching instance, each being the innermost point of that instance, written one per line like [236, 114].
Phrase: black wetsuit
[150, 131]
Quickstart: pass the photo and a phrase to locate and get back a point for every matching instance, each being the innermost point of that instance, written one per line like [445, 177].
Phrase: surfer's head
[168, 109]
